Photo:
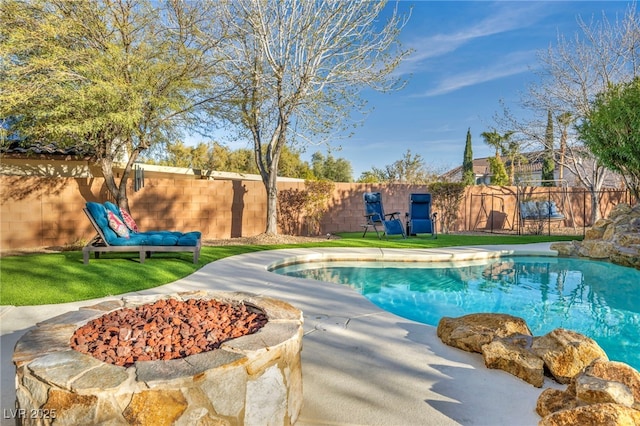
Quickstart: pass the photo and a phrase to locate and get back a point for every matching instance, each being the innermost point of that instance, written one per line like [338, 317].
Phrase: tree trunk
[595, 205]
[271, 186]
[118, 190]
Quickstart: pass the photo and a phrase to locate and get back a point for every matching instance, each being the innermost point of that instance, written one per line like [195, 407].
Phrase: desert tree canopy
[119, 75]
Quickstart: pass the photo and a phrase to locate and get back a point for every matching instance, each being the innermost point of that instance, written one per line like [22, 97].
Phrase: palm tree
[501, 144]
[511, 150]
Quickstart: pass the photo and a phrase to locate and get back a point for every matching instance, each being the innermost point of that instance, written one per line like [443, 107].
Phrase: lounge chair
[375, 216]
[420, 220]
[116, 232]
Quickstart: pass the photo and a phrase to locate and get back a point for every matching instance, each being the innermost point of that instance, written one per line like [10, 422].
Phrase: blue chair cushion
[148, 238]
[190, 239]
[421, 226]
[393, 227]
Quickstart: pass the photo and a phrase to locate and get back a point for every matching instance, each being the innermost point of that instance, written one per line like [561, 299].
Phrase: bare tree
[297, 69]
[573, 72]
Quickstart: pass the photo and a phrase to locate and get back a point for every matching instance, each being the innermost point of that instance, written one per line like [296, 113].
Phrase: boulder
[621, 209]
[597, 230]
[471, 332]
[565, 353]
[596, 414]
[596, 249]
[566, 248]
[593, 390]
[602, 384]
[617, 372]
[616, 238]
[513, 355]
[552, 400]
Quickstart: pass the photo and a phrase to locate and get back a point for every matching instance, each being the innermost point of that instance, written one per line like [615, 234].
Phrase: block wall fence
[47, 212]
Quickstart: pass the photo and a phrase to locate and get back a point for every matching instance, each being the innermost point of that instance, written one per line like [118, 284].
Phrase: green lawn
[38, 279]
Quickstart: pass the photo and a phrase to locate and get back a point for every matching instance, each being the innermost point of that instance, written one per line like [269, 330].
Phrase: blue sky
[468, 56]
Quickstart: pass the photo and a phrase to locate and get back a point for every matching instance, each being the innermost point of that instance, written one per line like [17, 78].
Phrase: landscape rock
[513, 355]
[471, 332]
[552, 400]
[602, 384]
[618, 372]
[599, 391]
[596, 414]
[593, 390]
[616, 238]
[565, 353]
[596, 249]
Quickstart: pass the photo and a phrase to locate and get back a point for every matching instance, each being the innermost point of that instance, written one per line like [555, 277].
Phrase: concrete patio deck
[361, 365]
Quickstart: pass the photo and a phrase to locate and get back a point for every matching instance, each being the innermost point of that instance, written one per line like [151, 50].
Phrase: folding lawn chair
[420, 220]
[375, 216]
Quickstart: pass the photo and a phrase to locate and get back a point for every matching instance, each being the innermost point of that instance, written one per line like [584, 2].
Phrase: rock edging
[615, 238]
[599, 391]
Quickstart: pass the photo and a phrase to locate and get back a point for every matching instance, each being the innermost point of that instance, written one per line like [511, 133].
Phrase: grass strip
[38, 279]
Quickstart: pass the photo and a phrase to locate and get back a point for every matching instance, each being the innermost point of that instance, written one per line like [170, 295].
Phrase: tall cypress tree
[548, 165]
[468, 176]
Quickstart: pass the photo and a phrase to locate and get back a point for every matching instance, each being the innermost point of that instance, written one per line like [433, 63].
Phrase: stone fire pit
[255, 379]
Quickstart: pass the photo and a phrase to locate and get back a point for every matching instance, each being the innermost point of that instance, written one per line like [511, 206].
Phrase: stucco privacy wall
[37, 212]
[41, 212]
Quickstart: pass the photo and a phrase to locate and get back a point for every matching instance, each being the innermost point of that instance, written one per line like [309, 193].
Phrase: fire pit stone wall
[255, 379]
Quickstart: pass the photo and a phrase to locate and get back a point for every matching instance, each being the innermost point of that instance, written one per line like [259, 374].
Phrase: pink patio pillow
[116, 224]
[128, 220]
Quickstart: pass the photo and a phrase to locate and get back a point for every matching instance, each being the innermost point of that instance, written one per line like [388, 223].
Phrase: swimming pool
[598, 299]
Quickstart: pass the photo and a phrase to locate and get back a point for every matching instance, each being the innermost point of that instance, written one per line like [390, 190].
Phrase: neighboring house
[527, 172]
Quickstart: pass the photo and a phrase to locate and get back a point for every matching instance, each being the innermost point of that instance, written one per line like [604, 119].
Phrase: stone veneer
[251, 380]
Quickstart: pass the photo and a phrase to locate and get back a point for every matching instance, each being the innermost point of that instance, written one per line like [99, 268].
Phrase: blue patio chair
[375, 216]
[420, 220]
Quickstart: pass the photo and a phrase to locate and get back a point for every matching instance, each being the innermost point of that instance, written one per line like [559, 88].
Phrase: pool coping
[361, 365]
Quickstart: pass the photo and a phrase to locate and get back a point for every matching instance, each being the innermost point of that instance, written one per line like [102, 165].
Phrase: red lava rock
[164, 330]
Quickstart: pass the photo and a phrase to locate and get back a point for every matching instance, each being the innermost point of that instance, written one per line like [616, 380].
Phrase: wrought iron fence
[557, 210]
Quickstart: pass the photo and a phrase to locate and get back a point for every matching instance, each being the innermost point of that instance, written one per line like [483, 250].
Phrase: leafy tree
[178, 154]
[371, 176]
[242, 160]
[409, 169]
[612, 131]
[468, 175]
[511, 151]
[499, 174]
[214, 156]
[119, 75]
[291, 165]
[296, 69]
[548, 164]
[496, 165]
[330, 168]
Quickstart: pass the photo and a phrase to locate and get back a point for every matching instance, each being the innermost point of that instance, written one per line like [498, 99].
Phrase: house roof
[17, 149]
[531, 162]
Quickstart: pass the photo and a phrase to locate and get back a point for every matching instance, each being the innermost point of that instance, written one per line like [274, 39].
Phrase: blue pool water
[597, 299]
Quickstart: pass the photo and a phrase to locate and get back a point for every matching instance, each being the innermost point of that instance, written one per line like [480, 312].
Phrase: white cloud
[503, 18]
[512, 64]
